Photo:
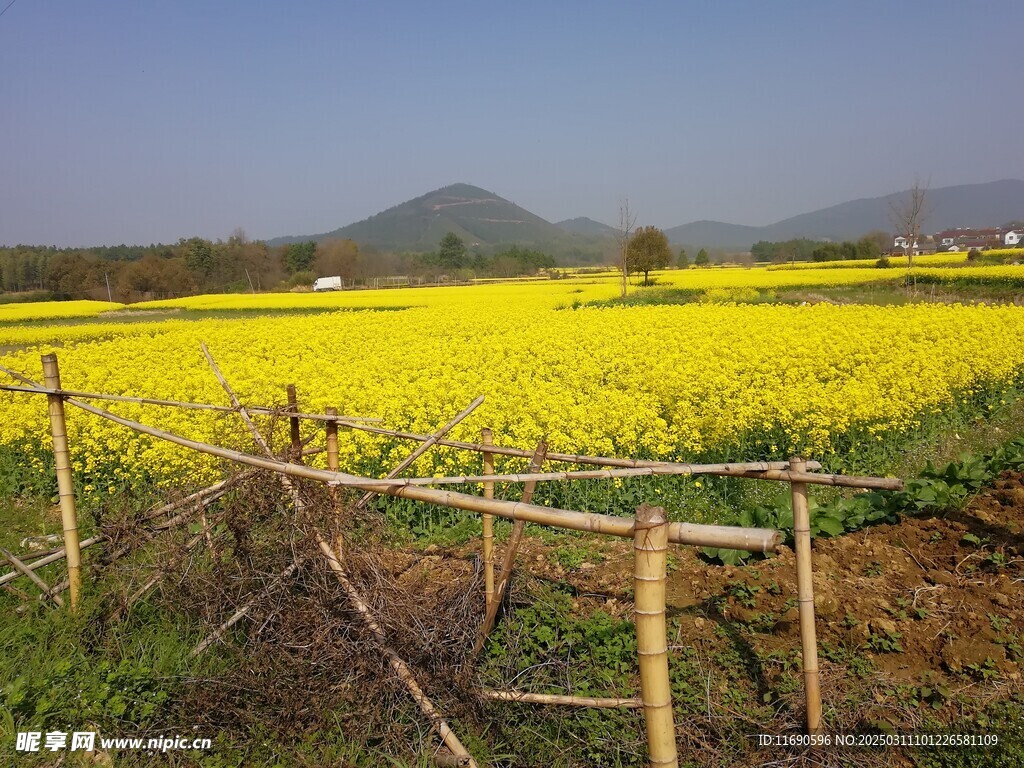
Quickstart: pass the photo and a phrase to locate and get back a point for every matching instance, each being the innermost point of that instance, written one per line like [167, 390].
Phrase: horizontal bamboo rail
[60, 554]
[729, 537]
[846, 481]
[260, 410]
[558, 700]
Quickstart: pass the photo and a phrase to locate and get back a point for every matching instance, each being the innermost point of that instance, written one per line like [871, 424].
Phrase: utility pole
[250, 281]
[107, 280]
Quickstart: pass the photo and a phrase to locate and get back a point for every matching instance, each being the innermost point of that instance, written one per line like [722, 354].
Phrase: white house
[1013, 237]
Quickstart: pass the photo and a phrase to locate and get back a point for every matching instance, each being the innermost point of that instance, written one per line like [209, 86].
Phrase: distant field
[849, 385]
[53, 310]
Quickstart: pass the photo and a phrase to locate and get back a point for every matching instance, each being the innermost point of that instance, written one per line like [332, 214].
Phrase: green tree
[198, 255]
[647, 249]
[299, 257]
[683, 261]
[702, 259]
[452, 252]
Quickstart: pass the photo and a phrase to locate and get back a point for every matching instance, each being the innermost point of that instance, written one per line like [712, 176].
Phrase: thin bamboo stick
[805, 596]
[397, 664]
[25, 570]
[650, 543]
[65, 485]
[260, 410]
[558, 700]
[423, 448]
[487, 521]
[293, 425]
[727, 537]
[511, 549]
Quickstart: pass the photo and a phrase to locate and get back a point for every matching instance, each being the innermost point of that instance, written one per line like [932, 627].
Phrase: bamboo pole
[557, 700]
[260, 410]
[451, 741]
[65, 485]
[293, 425]
[849, 481]
[511, 549]
[726, 537]
[487, 438]
[650, 542]
[805, 596]
[25, 570]
[423, 448]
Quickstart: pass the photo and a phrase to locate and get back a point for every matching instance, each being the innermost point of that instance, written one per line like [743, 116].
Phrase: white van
[327, 284]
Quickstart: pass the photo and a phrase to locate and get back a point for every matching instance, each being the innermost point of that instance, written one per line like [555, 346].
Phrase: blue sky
[142, 122]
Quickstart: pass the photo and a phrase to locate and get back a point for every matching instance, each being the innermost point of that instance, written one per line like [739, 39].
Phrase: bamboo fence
[650, 531]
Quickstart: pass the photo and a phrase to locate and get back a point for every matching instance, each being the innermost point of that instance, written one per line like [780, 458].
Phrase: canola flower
[672, 382]
[54, 310]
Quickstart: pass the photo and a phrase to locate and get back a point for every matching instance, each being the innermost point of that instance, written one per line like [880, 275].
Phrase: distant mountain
[965, 205]
[584, 226]
[477, 216]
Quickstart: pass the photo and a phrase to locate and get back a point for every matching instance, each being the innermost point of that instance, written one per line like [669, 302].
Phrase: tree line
[197, 265]
[870, 246]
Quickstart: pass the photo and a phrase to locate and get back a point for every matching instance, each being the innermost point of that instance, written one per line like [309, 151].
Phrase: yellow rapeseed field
[677, 381]
[54, 310]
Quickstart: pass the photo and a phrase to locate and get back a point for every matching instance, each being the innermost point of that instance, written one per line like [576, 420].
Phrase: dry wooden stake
[293, 425]
[487, 521]
[423, 448]
[65, 486]
[650, 542]
[805, 596]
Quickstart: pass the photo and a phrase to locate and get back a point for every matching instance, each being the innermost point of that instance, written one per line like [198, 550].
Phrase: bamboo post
[293, 425]
[805, 596]
[65, 487]
[487, 438]
[333, 463]
[333, 460]
[650, 542]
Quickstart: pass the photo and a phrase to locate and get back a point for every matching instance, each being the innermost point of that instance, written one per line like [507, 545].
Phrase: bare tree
[626, 222]
[908, 216]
